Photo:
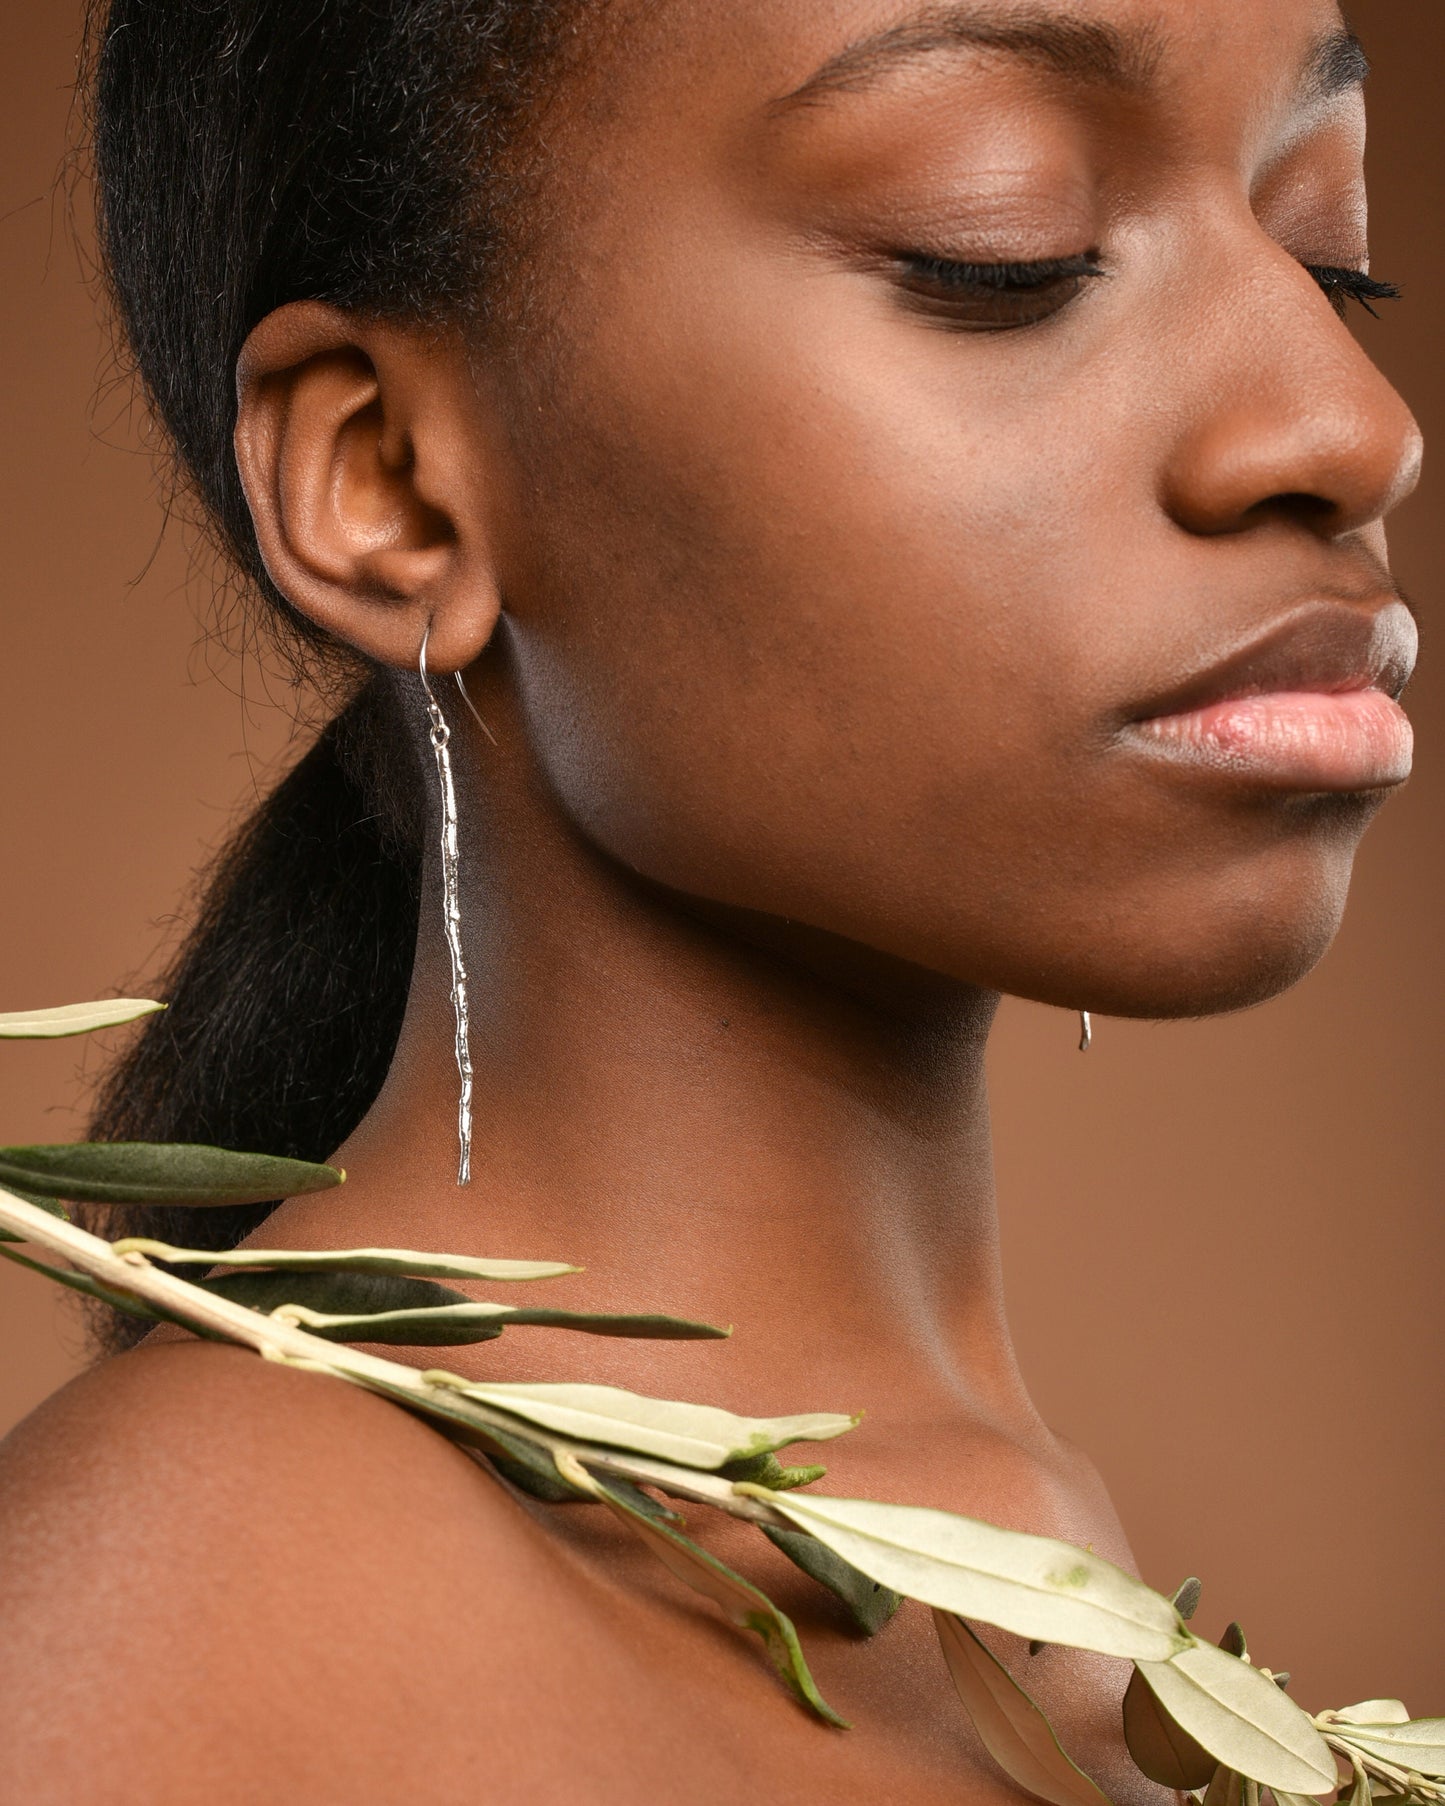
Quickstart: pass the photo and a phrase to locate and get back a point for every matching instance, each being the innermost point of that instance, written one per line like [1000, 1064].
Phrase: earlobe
[360, 451]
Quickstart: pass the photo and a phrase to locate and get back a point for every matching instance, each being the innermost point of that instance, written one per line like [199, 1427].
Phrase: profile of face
[932, 496]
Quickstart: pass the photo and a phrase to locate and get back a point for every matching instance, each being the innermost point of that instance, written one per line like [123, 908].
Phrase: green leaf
[1242, 1719]
[1014, 1731]
[1418, 1744]
[747, 1606]
[392, 1310]
[1031, 1585]
[529, 1468]
[140, 1172]
[767, 1470]
[351, 1260]
[1187, 1597]
[74, 1018]
[698, 1436]
[449, 1326]
[1160, 1749]
[870, 1605]
[1374, 1711]
[1233, 1642]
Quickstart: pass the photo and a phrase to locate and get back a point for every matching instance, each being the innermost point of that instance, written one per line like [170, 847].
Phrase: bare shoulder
[223, 1580]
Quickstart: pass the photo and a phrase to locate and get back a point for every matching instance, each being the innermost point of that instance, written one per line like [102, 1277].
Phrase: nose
[1284, 415]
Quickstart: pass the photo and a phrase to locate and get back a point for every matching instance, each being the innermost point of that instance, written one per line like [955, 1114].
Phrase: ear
[367, 462]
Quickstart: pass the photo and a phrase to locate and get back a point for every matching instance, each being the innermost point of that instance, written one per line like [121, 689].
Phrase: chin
[1216, 962]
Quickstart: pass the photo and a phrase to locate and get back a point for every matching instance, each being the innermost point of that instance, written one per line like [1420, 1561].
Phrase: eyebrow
[1084, 50]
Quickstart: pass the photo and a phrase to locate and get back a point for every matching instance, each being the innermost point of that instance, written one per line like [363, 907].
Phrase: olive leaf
[392, 1310]
[1031, 1585]
[1187, 1597]
[403, 1261]
[869, 1604]
[74, 1018]
[767, 1470]
[1014, 1731]
[529, 1468]
[450, 1326]
[1373, 1711]
[746, 1605]
[1418, 1744]
[142, 1172]
[1233, 1642]
[1161, 1750]
[1242, 1719]
[697, 1436]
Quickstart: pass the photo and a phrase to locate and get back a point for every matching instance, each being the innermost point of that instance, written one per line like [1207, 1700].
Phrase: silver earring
[1086, 1031]
[452, 914]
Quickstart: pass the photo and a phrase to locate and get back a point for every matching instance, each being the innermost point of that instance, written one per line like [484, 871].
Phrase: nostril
[1299, 505]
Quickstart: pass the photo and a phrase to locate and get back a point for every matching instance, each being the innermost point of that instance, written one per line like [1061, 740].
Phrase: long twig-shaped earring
[452, 914]
[1086, 1031]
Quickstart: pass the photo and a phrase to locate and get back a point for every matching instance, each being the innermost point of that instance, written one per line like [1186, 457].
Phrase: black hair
[248, 153]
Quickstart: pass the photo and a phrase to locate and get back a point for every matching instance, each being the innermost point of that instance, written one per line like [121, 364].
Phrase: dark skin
[814, 600]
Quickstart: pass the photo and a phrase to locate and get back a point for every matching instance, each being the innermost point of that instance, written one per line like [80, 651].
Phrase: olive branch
[1197, 1717]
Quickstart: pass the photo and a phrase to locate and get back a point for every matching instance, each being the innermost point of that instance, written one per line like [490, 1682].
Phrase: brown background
[1224, 1239]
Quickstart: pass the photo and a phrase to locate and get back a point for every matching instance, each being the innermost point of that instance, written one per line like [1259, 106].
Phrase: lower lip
[1294, 740]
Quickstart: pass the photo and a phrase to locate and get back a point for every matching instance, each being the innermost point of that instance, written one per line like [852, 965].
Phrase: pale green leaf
[1031, 1585]
[1242, 1718]
[1283, 1797]
[870, 1605]
[404, 1261]
[1374, 1711]
[1014, 1731]
[698, 1436]
[74, 1018]
[140, 1172]
[1161, 1750]
[1418, 1744]
[747, 1606]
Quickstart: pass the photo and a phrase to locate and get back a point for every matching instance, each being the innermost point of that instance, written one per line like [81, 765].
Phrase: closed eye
[994, 297]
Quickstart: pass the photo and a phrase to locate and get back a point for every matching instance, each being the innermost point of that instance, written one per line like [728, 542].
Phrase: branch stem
[133, 1274]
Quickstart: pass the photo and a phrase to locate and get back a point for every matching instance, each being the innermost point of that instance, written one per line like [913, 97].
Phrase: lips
[1308, 707]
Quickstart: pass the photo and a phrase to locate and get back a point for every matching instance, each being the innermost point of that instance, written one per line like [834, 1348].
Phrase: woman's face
[947, 510]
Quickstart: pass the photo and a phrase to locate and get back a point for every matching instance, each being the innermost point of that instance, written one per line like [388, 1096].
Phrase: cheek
[798, 608]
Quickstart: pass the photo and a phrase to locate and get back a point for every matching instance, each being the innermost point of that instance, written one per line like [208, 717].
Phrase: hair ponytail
[286, 1001]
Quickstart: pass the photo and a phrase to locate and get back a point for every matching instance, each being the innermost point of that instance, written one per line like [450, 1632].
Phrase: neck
[718, 1119]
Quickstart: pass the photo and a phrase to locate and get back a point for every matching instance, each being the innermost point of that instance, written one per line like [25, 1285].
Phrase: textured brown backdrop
[1224, 1239]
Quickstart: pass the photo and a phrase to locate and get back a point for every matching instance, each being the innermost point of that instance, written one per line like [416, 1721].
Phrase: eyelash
[997, 297]
[1341, 286]
[1003, 297]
